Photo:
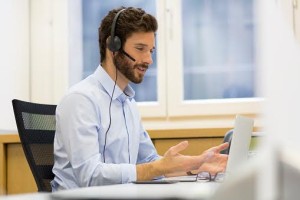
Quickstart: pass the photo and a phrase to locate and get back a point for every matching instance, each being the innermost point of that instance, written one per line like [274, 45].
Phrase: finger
[222, 146]
[174, 150]
[217, 149]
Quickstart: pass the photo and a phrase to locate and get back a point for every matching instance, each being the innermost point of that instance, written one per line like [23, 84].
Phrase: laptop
[240, 143]
[238, 149]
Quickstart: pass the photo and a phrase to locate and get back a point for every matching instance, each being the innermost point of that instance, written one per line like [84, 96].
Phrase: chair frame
[31, 136]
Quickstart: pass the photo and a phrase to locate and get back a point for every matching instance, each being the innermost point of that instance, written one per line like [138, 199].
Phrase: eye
[140, 48]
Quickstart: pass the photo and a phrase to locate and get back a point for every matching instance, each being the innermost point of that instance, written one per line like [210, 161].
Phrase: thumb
[174, 150]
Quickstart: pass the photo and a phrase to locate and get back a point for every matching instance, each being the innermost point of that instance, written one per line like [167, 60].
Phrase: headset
[114, 43]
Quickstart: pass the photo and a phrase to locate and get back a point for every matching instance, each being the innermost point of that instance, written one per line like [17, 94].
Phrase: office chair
[227, 138]
[36, 128]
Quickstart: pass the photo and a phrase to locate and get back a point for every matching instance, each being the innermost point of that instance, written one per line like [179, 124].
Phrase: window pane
[218, 49]
[93, 12]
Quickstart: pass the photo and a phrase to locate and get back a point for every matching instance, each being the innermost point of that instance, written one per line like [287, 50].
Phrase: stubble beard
[128, 69]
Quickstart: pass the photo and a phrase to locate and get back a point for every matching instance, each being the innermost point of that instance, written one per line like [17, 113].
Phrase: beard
[127, 69]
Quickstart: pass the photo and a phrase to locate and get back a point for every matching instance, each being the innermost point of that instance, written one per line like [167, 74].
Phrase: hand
[171, 164]
[175, 162]
[214, 161]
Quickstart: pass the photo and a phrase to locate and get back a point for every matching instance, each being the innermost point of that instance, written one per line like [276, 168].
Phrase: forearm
[148, 171]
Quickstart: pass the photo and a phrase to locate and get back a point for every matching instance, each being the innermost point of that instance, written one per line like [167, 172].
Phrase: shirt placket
[127, 130]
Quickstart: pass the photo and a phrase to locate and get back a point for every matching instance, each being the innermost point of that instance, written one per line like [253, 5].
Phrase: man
[99, 138]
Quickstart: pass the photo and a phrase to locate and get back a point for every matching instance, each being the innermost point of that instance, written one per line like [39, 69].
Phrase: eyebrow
[144, 45]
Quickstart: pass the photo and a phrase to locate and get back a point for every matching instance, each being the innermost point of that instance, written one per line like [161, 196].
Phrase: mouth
[142, 69]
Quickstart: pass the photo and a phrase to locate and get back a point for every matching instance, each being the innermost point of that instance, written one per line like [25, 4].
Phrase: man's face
[139, 46]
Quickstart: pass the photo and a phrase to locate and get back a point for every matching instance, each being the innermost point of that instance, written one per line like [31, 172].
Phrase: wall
[49, 49]
[14, 58]
[32, 54]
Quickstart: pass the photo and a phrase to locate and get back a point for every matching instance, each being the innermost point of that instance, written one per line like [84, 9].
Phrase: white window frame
[170, 79]
[158, 108]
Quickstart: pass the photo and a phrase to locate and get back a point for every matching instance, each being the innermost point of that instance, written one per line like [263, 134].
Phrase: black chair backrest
[36, 128]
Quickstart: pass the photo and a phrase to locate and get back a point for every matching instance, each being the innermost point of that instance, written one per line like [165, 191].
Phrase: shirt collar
[108, 84]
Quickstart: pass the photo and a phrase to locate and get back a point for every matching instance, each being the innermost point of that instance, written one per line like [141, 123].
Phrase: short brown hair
[131, 20]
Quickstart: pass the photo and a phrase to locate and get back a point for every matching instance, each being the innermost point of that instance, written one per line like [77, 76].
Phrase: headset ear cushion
[115, 44]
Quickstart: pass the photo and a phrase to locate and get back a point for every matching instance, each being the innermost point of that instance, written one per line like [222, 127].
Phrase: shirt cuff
[128, 173]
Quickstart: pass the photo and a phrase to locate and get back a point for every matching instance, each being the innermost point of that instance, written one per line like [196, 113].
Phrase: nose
[148, 58]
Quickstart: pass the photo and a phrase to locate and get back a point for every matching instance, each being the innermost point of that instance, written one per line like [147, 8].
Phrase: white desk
[28, 196]
[182, 190]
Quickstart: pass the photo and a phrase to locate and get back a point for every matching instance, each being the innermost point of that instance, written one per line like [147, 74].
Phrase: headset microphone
[127, 55]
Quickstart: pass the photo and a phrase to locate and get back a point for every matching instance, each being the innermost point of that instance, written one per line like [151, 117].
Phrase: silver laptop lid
[240, 142]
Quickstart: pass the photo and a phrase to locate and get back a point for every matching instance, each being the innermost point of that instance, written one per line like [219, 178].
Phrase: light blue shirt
[82, 119]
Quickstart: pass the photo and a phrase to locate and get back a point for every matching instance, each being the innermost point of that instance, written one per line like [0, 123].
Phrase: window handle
[170, 22]
[294, 7]
[295, 4]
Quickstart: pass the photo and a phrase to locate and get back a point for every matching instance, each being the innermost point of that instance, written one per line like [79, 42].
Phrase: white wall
[35, 40]
[49, 50]
[14, 58]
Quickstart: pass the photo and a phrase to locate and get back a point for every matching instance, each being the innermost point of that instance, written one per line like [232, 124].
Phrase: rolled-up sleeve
[147, 152]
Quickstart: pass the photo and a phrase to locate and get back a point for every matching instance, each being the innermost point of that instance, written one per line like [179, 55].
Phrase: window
[214, 67]
[204, 67]
[218, 49]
